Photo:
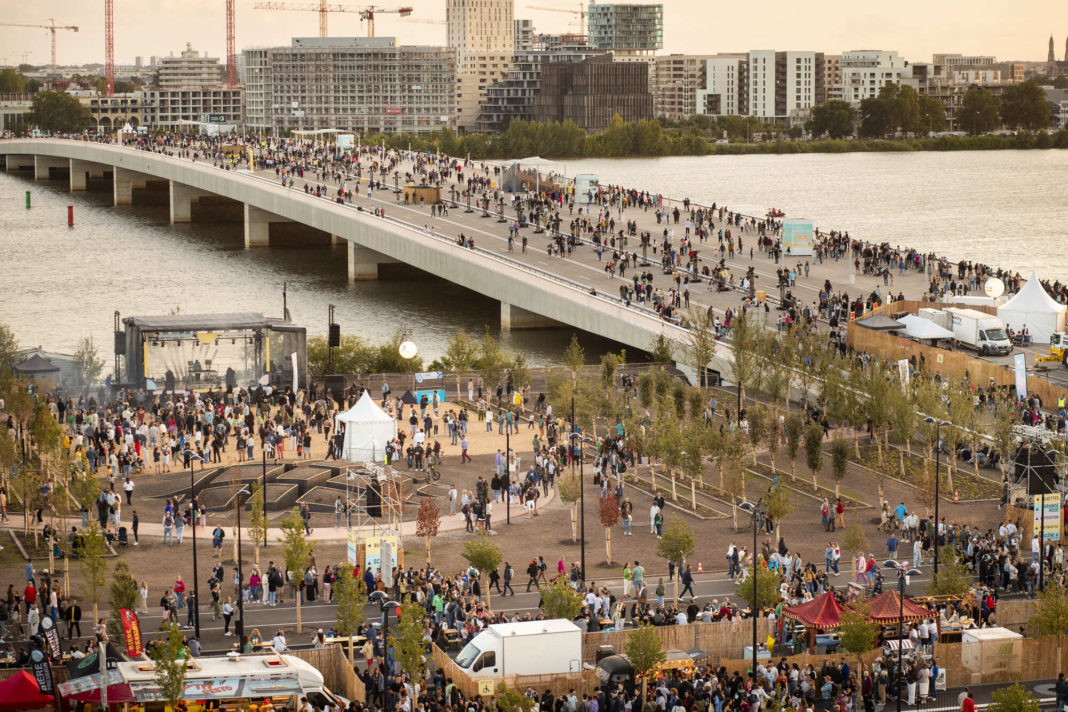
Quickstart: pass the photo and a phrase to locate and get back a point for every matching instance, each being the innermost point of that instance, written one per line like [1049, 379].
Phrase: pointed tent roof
[1033, 297]
[822, 612]
[880, 322]
[365, 411]
[886, 608]
[21, 692]
[36, 364]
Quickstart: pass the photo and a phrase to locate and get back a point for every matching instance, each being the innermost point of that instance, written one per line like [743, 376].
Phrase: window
[488, 660]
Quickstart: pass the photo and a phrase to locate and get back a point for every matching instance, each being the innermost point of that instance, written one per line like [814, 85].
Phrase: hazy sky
[916, 28]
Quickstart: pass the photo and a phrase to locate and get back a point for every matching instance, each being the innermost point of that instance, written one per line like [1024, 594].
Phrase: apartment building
[592, 91]
[190, 70]
[626, 29]
[832, 76]
[676, 79]
[866, 71]
[482, 35]
[726, 88]
[524, 35]
[356, 84]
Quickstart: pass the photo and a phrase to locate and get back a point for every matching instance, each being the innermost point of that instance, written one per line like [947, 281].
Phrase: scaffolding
[375, 498]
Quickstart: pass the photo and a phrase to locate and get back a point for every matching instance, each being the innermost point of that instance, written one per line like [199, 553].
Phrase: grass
[971, 488]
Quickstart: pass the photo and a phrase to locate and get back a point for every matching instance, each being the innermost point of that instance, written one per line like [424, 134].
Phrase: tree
[677, 544]
[569, 486]
[409, 646]
[351, 356]
[461, 351]
[12, 82]
[855, 540]
[1013, 698]
[858, 632]
[979, 111]
[168, 654]
[932, 114]
[94, 566]
[814, 450]
[609, 515]
[794, 429]
[767, 587]
[427, 522]
[484, 556]
[644, 651]
[1025, 106]
[574, 357]
[509, 700]
[778, 505]
[953, 578]
[89, 362]
[1050, 615]
[59, 111]
[832, 118]
[9, 347]
[745, 335]
[257, 520]
[560, 600]
[839, 460]
[124, 593]
[661, 349]
[350, 594]
[491, 361]
[296, 551]
[701, 342]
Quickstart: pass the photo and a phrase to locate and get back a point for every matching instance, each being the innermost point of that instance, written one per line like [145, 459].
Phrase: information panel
[797, 237]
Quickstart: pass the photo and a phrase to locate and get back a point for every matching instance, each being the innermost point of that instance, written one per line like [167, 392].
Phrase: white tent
[367, 430]
[916, 327]
[1034, 308]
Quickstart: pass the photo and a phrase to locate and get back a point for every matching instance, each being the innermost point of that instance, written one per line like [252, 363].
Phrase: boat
[775, 213]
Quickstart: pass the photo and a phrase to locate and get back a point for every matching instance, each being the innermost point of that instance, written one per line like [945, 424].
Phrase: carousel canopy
[821, 613]
[886, 608]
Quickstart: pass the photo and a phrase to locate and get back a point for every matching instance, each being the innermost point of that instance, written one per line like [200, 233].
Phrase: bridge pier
[513, 317]
[363, 263]
[181, 201]
[42, 164]
[79, 173]
[17, 162]
[125, 181]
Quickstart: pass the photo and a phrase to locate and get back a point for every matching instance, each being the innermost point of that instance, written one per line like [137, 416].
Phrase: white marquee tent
[367, 430]
[1034, 308]
[916, 327]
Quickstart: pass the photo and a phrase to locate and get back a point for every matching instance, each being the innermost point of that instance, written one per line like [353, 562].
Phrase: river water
[1005, 208]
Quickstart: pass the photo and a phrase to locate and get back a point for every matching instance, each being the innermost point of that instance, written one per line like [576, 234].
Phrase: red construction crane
[323, 8]
[109, 47]
[368, 13]
[231, 51]
[52, 27]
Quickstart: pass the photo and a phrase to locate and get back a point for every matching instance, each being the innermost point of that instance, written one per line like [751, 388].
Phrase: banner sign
[131, 632]
[429, 375]
[1020, 362]
[797, 237]
[224, 688]
[903, 370]
[1047, 507]
[42, 672]
[372, 558]
[51, 636]
[587, 185]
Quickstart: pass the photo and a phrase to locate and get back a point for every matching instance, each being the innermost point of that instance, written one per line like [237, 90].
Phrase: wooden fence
[950, 364]
[725, 639]
[338, 674]
[583, 681]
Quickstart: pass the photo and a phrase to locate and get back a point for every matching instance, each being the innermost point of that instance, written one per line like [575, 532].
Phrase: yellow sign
[487, 687]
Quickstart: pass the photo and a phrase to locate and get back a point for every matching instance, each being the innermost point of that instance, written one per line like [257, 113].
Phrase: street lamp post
[264, 497]
[190, 456]
[754, 516]
[239, 629]
[507, 472]
[938, 459]
[903, 572]
[579, 440]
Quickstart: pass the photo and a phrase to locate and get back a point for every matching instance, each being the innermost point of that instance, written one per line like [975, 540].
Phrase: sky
[915, 28]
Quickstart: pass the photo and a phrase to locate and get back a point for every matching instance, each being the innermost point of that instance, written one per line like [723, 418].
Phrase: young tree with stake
[296, 551]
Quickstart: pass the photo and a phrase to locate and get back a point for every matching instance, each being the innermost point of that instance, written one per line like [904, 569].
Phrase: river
[1005, 208]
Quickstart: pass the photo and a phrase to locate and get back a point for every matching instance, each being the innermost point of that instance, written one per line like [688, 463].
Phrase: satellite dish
[994, 287]
[408, 350]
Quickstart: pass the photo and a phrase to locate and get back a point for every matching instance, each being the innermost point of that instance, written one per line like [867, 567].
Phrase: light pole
[190, 456]
[903, 572]
[264, 450]
[754, 514]
[578, 439]
[239, 629]
[938, 459]
[508, 472]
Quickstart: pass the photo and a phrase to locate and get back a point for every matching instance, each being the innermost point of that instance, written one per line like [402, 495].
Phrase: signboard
[224, 688]
[394, 110]
[372, 556]
[586, 186]
[797, 236]
[51, 636]
[131, 632]
[903, 370]
[1020, 364]
[487, 688]
[428, 375]
[42, 671]
[351, 549]
[217, 118]
[1047, 507]
[345, 141]
[88, 683]
[386, 554]
[940, 681]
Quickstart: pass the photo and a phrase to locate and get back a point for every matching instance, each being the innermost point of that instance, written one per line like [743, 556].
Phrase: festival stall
[819, 615]
[1034, 308]
[368, 429]
[21, 692]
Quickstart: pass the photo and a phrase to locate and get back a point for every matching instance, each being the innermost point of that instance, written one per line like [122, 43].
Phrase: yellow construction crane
[324, 8]
[51, 27]
[581, 12]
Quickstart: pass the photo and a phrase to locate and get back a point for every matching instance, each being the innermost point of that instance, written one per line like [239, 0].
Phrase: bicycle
[432, 473]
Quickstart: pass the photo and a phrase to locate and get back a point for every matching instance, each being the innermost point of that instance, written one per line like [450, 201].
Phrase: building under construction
[589, 93]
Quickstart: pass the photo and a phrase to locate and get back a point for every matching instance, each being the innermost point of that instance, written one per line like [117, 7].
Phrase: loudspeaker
[374, 500]
[334, 339]
[120, 343]
[1038, 468]
[336, 386]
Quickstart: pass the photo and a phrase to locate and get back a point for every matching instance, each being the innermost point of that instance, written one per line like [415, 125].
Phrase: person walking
[508, 573]
[687, 581]
[228, 613]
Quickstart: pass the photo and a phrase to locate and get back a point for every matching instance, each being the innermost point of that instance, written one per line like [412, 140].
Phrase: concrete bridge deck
[534, 289]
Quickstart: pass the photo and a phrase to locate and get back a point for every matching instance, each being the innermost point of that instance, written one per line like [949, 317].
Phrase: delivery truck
[548, 647]
[978, 330]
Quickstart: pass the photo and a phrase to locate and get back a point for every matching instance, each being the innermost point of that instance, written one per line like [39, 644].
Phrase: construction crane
[231, 52]
[581, 12]
[51, 27]
[368, 14]
[109, 47]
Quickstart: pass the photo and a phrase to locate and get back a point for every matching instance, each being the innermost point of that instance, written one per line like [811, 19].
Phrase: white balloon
[994, 287]
[408, 350]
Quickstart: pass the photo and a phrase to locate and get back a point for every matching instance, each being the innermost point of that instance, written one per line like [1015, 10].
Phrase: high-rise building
[482, 34]
[726, 89]
[356, 84]
[513, 97]
[771, 85]
[524, 35]
[676, 79]
[591, 92]
[190, 70]
[964, 61]
[866, 71]
[626, 29]
[832, 76]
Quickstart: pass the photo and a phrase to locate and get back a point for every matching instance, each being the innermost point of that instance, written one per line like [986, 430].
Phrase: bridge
[530, 295]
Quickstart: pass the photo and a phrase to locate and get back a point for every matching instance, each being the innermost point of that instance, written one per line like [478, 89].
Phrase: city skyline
[915, 29]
